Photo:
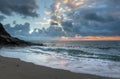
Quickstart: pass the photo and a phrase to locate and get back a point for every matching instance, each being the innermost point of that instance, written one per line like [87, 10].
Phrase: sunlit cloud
[47, 12]
[65, 1]
[44, 22]
[72, 3]
[58, 9]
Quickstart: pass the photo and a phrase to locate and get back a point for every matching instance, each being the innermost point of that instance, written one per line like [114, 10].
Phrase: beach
[11, 68]
[59, 39]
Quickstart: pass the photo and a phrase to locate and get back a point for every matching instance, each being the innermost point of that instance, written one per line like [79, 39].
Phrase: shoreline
[13, 68]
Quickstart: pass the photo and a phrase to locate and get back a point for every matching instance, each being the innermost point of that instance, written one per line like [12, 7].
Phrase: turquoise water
[107, 50]
[97, 57]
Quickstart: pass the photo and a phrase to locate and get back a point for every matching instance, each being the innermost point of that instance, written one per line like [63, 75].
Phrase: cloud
[92, 25]
[114, 3]
[59, 7]
[85, 17]
[52, 31]
[22, 7]
[78, 17]
[98, 17]
[18, 29]
[23, 31]
[68, 28]
[2, 18]
[48, 21]
[53, 23]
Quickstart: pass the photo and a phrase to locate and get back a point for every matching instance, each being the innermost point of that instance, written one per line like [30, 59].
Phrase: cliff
[7, 40]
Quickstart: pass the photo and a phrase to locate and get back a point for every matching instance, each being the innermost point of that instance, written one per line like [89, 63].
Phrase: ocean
[90, 57]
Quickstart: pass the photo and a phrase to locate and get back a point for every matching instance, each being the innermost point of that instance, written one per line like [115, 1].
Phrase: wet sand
[11, 68]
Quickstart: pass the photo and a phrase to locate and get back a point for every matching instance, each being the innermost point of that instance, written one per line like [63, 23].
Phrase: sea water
[91, 57]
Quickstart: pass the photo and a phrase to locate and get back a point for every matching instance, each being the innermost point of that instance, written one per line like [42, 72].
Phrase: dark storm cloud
[114, 2]
[99, 17]
[2, 18]
[53, 23]
[22, 7]
[92, 24]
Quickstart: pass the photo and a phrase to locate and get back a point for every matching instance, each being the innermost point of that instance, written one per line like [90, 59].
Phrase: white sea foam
[51, 58]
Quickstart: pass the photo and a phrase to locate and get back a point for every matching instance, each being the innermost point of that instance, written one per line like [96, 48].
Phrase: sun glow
[91, 38]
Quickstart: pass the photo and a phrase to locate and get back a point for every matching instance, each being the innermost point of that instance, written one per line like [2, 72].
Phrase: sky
[61, 18]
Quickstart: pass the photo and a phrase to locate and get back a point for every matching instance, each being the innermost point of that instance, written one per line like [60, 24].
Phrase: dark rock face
[7, 40]
[3, 32]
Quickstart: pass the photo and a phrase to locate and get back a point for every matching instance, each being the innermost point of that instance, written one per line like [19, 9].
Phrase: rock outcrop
[7, 40]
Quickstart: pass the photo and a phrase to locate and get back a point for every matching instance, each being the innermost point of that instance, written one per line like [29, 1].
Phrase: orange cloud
[90, 38]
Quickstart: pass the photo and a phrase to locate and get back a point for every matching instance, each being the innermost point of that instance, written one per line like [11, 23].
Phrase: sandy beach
[11, 68]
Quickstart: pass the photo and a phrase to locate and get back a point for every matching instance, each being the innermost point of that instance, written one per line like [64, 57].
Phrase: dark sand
[15, 69]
